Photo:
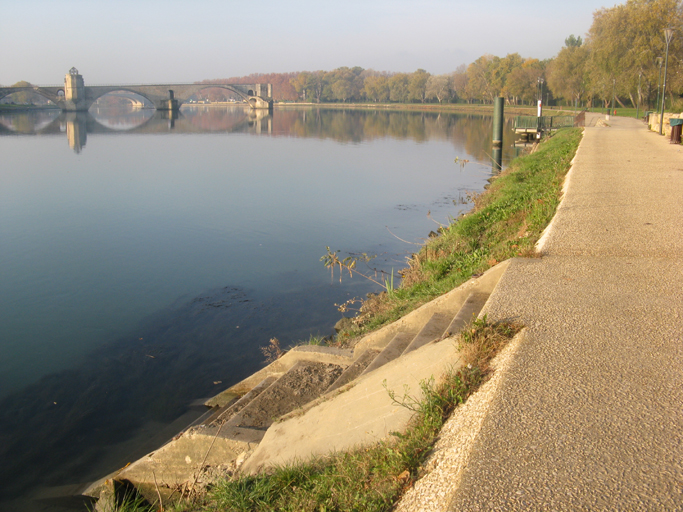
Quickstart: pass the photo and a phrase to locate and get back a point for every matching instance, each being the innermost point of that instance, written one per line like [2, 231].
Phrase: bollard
[497, 159]
[498, 107]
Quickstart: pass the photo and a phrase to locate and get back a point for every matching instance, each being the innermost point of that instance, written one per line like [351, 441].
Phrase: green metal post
[668, 34]
[498, 107]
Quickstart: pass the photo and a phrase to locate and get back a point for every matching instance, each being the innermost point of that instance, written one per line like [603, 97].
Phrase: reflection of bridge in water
[75, 96]
[77, 125]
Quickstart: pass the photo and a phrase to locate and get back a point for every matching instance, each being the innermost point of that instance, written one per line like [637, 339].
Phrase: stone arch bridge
[75, 96]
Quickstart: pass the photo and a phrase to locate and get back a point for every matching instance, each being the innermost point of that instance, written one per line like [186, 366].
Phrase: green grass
[507, 221]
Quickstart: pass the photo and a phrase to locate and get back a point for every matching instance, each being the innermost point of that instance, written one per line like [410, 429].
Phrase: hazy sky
[148, 41]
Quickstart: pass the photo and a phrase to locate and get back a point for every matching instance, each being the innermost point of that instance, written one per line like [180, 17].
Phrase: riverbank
[507, 221]
[461, 108]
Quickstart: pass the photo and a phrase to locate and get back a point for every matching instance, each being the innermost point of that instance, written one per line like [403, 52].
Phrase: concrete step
[432, 330]
[315, 353]
[225, 413]
[304, 382]
[354, 370]
[470, 309]
[393, 350]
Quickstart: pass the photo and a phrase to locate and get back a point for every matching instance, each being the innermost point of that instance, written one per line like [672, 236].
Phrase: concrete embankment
[312, 400]
[587, 412]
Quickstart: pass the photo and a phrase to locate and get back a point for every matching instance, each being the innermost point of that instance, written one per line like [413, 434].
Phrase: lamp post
[614, 88]
[659, 82]
[640, 74]
[668, 34]
[540, 96]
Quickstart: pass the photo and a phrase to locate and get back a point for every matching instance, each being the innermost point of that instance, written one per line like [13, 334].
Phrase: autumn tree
[376, 88]
[500, 70]
[522, 82]
[439, 87]
[479, 83]
[625, 42]
[459, 81]
[567, 73]
[417, 85]
[23, 96]
[398, 87]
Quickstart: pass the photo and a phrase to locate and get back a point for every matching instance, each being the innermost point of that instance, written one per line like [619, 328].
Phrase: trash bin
[676, 125]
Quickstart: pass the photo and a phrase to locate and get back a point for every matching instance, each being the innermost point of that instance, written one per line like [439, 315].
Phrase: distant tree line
[621, 56]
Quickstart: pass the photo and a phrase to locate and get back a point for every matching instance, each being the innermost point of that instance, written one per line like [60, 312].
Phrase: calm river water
[145, 260]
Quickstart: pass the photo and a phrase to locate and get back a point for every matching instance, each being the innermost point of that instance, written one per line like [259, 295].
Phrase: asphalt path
[589, 415]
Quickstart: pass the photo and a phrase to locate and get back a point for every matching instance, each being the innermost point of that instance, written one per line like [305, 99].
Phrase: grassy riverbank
[507, 220]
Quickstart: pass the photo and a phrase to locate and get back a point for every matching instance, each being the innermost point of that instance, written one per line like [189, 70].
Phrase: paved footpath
[589, 415]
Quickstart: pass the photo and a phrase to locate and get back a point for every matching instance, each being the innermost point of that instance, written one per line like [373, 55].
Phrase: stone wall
[653, 122]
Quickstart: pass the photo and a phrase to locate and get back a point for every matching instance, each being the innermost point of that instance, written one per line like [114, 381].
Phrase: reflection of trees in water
[216, 118]
[471, 131]
[474, 132]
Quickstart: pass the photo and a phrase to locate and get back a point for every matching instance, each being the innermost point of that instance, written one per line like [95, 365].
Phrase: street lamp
[614, 88]
[659, 82]
[668, 34]
[640, 75]
[540, 96]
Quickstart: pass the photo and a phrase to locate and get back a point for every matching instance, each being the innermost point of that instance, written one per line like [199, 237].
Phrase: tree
[459, 81]
[625, 42]
[376, 88]
[317, 82]
[567, 73]
[398, 87]
[300, 84]
[501, 69]
[479, 86]
[417, 86]
[439, 87]
[346, 83]
[23, 96]
[572, 41]
[522, 82]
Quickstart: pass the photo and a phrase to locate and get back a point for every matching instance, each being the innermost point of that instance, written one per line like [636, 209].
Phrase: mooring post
[497, 159]
[498, 106]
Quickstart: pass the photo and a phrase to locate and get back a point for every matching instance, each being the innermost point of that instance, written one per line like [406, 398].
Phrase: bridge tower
[74, 91]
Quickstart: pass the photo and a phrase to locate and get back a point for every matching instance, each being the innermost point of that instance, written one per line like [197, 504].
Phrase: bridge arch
[51, 95]
[188, 91]
[99, 92]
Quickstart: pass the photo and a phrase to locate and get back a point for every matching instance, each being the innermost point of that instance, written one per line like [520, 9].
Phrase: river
[146, 258]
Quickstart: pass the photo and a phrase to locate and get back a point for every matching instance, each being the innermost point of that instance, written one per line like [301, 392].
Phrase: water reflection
[350, 126]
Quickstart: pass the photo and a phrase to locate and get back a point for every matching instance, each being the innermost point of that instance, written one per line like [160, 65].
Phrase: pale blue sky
[147, 41]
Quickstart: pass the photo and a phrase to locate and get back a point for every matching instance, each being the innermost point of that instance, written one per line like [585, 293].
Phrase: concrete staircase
[301, 379]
